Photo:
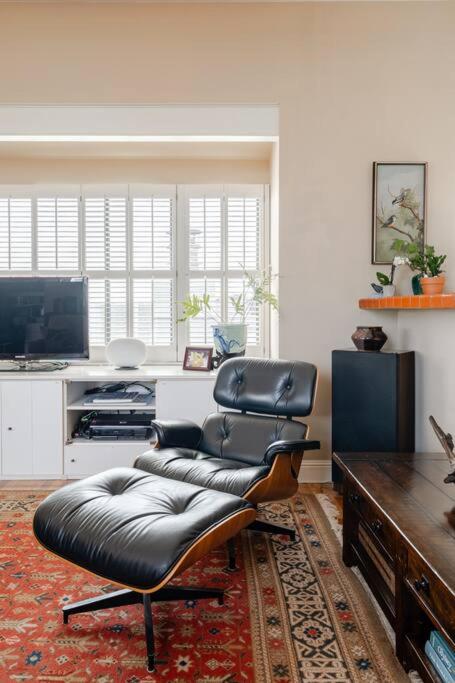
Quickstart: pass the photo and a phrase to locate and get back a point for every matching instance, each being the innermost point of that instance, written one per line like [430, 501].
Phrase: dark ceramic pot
[415, 282]
[369, 338]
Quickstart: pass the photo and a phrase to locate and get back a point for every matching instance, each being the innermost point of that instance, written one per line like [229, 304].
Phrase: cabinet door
[185, 399]
[47, 427]
[17, 442]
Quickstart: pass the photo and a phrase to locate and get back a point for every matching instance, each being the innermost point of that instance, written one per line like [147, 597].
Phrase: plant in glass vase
[230, 331]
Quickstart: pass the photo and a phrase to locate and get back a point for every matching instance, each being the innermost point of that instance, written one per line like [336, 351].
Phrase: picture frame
[399, 207]
[198, 358]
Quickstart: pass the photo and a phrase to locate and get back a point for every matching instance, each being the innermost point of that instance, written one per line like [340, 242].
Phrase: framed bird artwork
[399, 207]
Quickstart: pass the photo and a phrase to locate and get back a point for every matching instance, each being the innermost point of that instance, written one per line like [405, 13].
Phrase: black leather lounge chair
[255, 452]
[139, 531]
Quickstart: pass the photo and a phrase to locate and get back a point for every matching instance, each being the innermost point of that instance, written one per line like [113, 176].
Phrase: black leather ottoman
[138, 530]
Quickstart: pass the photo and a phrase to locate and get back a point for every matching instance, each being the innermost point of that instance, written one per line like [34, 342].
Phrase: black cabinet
[373, 402]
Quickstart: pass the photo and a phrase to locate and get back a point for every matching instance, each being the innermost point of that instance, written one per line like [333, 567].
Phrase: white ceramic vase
[230, 338]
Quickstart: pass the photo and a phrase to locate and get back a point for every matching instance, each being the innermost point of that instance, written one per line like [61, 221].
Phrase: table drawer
[431, 591]
[373, 518]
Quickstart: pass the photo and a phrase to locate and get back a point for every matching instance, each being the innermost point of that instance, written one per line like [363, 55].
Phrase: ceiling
[131, 149]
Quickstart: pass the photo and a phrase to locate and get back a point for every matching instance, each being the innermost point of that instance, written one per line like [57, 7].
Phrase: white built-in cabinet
[38, 415]
[31, 428]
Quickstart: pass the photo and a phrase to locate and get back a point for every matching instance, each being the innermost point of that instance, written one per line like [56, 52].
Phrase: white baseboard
[315, 472]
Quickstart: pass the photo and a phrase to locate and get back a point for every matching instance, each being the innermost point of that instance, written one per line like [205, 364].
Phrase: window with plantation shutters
[144, 248]
[225, 236]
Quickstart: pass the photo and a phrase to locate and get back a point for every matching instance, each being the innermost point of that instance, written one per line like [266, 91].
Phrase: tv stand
[31, 366]
[39, 412]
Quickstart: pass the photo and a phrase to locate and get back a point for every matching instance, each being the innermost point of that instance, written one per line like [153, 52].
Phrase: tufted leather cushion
[129, 526]
[221, 474]
[275, 387]
[245, 438]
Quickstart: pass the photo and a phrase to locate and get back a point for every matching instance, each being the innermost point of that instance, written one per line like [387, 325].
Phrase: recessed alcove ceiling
[253, 150]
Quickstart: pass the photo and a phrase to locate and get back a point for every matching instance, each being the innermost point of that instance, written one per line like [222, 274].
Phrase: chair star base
[130, 597]
[268, 528]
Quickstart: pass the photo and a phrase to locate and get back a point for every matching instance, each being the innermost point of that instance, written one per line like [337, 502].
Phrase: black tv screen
[43, 317]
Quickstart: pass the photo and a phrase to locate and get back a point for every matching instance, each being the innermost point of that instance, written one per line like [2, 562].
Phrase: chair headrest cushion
[272, 387]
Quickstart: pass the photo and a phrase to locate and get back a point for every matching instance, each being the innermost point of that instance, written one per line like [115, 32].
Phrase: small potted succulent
[433, 280]
[230, 335]
[429, 278]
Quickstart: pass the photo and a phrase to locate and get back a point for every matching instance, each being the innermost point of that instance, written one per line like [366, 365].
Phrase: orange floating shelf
[411, 302]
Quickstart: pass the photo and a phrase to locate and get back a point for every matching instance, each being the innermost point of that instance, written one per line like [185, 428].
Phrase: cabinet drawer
[431, 591]
[373, 519]
[82, 460]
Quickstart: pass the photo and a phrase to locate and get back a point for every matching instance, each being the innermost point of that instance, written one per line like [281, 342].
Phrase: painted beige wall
[355, 82]
[171, 171]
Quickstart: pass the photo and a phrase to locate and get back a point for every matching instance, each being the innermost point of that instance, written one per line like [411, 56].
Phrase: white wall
[355, 82]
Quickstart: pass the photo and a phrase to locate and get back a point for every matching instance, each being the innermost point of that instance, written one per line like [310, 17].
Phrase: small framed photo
[399, 206]
[198, 358]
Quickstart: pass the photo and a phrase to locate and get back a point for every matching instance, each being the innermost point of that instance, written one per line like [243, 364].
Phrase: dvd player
[117, 426]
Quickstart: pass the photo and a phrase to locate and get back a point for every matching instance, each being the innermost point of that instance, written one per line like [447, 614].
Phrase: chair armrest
[177, 433]
[297, 446]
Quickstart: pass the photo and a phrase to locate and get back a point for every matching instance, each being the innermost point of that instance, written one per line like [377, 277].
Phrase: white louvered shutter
[225, 230]
[107, 310]
[153, 218]
[205, 233]
[152, 233]
[244, 227]
[57, 233]
[236, 286]
[153, 306]
[105, 233]
[201, 326]
[16, 233]
[243, 232]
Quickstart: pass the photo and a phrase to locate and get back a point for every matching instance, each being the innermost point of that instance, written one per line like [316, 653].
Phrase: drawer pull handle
[377, 525]
[422, 584]
[354, 497]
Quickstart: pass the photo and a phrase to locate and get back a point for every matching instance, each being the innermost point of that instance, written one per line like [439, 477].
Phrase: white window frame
[184, 193]
[180, 272]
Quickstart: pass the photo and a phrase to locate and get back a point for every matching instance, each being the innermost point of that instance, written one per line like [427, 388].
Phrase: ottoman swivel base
[128, 597]
[139, 531]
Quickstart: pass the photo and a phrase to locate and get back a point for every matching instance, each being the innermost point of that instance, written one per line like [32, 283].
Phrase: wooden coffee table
[399, 529]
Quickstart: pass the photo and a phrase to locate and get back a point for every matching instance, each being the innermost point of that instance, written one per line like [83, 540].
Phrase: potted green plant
[427, 264]
[230, 334]
[433, 280]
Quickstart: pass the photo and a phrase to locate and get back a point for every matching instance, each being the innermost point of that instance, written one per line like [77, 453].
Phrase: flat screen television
[43, 317]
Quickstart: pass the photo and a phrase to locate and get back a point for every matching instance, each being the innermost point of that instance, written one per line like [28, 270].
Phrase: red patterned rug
[293, 613]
